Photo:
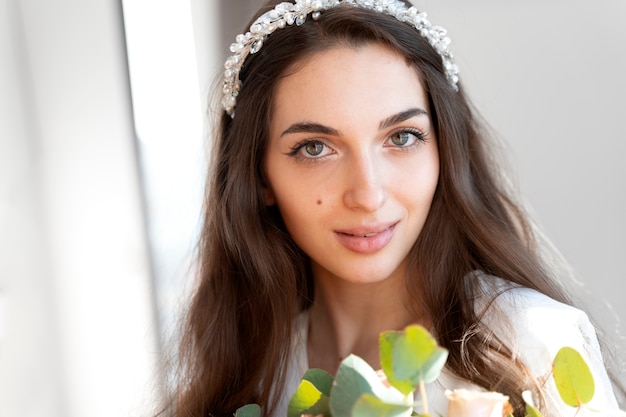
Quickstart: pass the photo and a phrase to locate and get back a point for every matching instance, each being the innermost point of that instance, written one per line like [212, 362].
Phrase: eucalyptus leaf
[249, 410]
[431, 369]
[321, 379]
[419, 357]
[572, 377]
[308, 400]
[368, 405]
[353, 379]
[387, 341]
[532, 411]
[410, 357]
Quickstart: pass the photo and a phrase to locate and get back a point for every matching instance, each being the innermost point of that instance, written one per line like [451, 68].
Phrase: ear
[268, 195]
[266, 189]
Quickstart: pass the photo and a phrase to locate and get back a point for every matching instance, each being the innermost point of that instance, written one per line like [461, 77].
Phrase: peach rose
[466, 403]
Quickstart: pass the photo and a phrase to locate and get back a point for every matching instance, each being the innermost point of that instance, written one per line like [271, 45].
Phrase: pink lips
[366, 239]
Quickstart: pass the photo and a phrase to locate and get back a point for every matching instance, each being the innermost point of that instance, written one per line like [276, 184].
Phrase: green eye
[401, 138]
[311, 149]
[405, 138]
[314, 148]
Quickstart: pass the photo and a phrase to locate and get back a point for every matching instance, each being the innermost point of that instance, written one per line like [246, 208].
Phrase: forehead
[345, 80]
[337, 54]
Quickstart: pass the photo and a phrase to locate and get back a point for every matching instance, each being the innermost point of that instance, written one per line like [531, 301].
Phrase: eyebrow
[401, 117]
[310, 127]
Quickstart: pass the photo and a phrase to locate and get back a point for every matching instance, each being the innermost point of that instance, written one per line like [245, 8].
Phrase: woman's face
[352, 161]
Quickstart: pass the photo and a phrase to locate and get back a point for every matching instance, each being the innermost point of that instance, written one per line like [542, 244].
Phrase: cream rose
[466, 403]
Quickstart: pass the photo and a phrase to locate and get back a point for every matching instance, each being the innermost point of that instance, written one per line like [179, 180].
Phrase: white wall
[548, 76]
[29, 350]
[74, 273]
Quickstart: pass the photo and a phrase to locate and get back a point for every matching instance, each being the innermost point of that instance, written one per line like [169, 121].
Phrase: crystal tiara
[287, 13]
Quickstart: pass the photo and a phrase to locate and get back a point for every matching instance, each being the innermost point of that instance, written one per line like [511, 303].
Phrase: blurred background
[102, 128]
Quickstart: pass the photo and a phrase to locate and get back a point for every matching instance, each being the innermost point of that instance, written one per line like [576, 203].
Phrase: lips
[369, 239]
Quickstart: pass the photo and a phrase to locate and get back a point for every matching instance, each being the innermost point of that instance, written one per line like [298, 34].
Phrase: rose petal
[466, 403]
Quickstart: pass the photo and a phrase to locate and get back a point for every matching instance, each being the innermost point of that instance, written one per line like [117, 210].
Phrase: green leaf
[387, 341]
[532, 411]
[307, 400]
[322, 380]
[368, 405]
[249, 410]
[410, 357]
[312, 394]
[573, 378]
[352, 380]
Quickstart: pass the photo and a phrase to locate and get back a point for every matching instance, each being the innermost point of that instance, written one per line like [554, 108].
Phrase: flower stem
[423, 396]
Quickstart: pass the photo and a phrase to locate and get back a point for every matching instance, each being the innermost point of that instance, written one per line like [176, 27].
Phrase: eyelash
[295, 150]
[420, 137]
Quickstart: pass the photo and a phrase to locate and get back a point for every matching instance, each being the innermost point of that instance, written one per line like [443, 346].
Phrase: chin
[369, 278]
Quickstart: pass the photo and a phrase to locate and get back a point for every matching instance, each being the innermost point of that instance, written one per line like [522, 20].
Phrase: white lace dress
[540, 327]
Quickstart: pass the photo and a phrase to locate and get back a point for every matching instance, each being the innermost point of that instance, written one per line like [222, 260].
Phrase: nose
[365, 185]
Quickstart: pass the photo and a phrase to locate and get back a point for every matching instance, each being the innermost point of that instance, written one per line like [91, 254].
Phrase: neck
[348, 318]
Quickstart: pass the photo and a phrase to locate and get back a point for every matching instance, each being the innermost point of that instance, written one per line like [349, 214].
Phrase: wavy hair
[253, 280]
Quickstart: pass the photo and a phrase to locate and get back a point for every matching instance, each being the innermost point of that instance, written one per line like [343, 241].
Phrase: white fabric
[539, 327]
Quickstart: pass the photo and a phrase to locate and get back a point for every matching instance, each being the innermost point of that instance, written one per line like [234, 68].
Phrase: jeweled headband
[287, 13]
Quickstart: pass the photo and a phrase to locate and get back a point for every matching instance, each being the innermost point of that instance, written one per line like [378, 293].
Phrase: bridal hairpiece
[287, 13]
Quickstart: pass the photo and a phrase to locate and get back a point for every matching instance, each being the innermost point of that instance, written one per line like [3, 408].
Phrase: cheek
[433, 181]
[431, 172]
[293, 190]
[302, 219]
[305, 214]
[419, 180]
[297, 203]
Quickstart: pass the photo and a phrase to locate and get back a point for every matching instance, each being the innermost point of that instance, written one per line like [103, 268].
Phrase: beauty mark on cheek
[319, 202]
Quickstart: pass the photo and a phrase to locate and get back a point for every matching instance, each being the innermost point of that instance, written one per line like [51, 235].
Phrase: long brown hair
[254, 281]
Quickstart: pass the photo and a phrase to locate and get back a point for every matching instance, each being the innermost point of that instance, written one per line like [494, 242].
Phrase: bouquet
[410, 359]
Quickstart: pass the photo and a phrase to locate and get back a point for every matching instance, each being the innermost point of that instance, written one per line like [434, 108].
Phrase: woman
[352, 192]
